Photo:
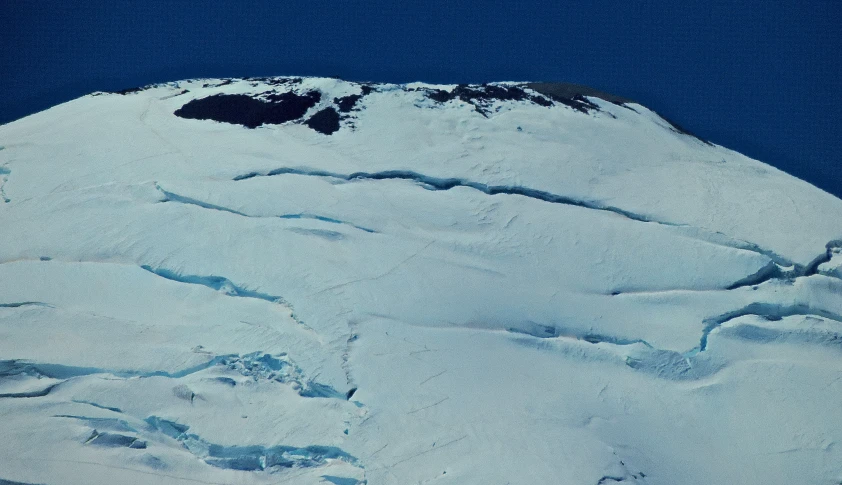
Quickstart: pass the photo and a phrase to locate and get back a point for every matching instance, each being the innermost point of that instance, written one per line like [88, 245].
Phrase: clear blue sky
[761, 77]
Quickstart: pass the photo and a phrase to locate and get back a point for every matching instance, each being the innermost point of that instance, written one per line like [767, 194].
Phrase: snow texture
[307, 280]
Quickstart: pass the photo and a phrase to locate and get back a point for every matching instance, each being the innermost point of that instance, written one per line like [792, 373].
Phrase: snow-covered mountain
[306, 280]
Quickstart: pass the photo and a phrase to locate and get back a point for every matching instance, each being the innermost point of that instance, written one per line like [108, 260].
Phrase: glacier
[309, 280]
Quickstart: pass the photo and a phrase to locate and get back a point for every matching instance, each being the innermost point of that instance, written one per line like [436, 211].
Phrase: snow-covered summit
[308, 280]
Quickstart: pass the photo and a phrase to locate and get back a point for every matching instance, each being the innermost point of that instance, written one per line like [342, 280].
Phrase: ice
[507, 283]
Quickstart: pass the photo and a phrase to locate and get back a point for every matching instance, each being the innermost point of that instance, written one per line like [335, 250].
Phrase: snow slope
[306, 280]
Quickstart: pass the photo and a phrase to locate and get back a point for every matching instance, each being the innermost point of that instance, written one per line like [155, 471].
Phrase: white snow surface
[598, 299]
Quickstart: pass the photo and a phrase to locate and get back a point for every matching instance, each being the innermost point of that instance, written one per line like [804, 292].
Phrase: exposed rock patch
[483, 96]
[241, 109]
[325, 121]
[347, 103]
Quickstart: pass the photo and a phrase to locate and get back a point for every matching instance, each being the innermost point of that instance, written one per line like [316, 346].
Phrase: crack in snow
[424, 452]
[24, 304]
[256, 365]
[227, 287]
[173, 197]
[217, 283]
[662, 363]
[769, 272]
[98, 406]
[608, 478]
[443, 184]
[770, 311]
[15, 370]
[29, 394]
[376, 277]
[346, 355]
[429, 406]
[813, 267]
[431, 378]
[550, 331]
[325, 219]
[11, 482]
[113, 440]
[250, 457]
[342, 480]
[670, 363]
[436, 183]
[3, 179]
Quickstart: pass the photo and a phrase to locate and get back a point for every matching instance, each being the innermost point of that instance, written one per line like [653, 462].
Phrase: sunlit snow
[487, 286]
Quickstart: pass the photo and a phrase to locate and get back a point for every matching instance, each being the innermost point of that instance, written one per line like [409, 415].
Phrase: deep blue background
[761, 77]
